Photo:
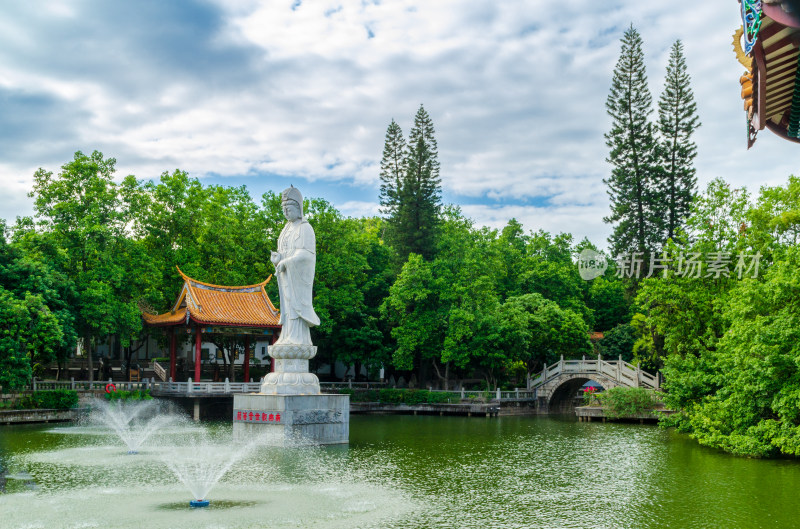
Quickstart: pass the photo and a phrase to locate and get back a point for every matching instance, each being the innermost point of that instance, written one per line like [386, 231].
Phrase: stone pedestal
[290, 409]
[291, 376]
[290, 420]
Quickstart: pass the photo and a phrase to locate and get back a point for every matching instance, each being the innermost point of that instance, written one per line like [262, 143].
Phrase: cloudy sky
[301, 91]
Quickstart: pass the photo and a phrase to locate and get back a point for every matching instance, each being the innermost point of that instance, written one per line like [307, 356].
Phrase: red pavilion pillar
[197, 342]
[246, 358]
[172, 359]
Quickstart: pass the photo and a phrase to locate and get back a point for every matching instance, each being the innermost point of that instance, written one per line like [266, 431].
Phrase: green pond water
[402, 471]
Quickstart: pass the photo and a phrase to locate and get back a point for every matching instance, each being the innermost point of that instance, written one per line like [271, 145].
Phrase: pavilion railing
[160, 371]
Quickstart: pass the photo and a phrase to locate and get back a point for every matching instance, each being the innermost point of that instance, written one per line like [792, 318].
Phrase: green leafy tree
[413, 308]
[166, 217]
[680, 315]
[619, 341]
[774, 222]
[608, 303]
[754, 409]
[29, 334]
[548, 269]
[513, 245]
[633, 153]
[718, 219]
[467, 292]
[346, 333]
[82, 210]
[541, 331]
[728, 344]
[28, 267]
[677, 121]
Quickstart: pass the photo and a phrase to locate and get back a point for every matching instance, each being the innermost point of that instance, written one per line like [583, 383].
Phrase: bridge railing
[618, 370]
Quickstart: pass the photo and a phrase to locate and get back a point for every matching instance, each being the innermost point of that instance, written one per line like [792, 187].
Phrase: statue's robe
[298, 249]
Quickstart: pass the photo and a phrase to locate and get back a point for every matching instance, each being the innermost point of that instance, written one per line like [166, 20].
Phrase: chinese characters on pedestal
[257, 416]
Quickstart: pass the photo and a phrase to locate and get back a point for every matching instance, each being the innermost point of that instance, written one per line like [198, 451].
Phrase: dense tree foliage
[81, 213]
[481, 304]
[488, 300]
[728, 340]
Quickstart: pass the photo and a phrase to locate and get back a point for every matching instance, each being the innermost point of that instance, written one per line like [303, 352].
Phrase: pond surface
[403, 472]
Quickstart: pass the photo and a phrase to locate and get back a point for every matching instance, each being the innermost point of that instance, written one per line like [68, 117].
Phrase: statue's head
[292, 203]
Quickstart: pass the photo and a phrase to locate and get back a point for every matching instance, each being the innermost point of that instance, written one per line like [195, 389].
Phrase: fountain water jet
[84, 479]
[200, 463]
[133, 422]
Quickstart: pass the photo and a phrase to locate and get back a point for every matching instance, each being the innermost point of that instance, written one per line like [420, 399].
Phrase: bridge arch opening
[568, 395]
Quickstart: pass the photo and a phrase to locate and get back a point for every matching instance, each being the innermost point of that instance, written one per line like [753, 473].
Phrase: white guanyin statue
[295, 261]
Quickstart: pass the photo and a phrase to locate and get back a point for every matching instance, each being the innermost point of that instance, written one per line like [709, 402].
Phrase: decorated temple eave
[167, 319]
[768, 46]
[781, 131]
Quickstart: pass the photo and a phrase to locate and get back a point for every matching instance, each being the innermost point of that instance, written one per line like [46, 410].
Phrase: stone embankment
[43, 415]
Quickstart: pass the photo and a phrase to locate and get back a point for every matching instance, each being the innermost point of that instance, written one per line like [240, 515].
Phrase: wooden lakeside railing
[622, 372]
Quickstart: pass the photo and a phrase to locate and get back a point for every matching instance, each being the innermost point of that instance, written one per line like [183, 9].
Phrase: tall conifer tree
[631, 186]
[414, 205]
[393, 169]
[677, 121]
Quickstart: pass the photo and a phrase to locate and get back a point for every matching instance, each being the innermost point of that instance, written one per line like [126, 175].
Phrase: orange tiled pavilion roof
[208, 304]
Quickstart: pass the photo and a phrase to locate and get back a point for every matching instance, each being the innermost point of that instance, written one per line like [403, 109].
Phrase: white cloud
[358, 208]
[516, 91]
[580, 221]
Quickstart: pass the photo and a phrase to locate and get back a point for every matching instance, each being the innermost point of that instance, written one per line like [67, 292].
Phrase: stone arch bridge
[557, 385]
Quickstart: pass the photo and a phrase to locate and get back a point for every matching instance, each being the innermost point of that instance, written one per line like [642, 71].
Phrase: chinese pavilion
[203, 308]
[768, 46]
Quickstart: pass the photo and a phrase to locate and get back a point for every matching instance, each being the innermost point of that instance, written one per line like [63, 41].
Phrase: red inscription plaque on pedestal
[256, 416]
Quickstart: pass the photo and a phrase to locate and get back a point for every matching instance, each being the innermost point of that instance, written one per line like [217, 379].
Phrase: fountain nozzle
[198, 503]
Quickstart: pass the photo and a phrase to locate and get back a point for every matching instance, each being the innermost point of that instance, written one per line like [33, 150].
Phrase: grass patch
[56, 399]
[620, 403]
